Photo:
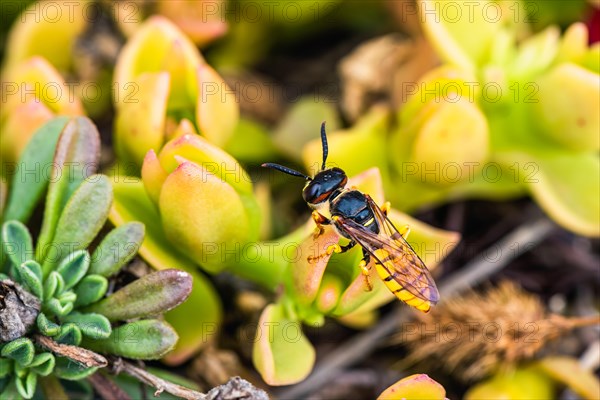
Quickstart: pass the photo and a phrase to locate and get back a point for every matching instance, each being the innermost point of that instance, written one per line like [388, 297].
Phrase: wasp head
[320, 187]
[323, 184]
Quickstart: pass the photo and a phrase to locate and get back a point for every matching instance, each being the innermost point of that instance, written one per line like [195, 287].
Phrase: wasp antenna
[286, 170]
[324, 145]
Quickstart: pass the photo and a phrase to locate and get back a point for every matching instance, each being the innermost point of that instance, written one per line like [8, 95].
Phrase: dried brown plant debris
[475, 334]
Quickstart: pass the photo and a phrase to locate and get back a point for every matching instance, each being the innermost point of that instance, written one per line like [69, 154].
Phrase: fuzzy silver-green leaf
[148, 339]
[90, 289]
[150, 295]
[117, 249]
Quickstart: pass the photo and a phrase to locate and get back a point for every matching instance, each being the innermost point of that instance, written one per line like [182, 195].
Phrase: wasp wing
[398, 265]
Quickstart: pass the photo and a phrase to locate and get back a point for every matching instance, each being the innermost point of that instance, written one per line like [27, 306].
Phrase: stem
[580, 322]
[85, 357]
[161, 385]
[358, 347]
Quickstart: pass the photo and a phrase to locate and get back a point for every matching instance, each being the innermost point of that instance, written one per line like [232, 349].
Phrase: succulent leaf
[77, 153]
[70, 370]
[414, 387]
[117, 249]
[222, 218]
[74, 267]
[94, 326]
[279, 340]
[69, 334]
[31, 274]
[522, 383]
[26, 384]
[43, 364]
[21, 350]
[16, 242]
[146, 114]
[55, 307]
[38, 35]
[26, 190]
[147, 339]
[53, 285]
[217, 110]
[149, 295]
[84, 215]
[6, 366]
[47, 327]
[90, 289]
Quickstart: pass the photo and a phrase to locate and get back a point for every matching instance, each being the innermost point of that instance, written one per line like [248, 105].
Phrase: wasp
[355, 216]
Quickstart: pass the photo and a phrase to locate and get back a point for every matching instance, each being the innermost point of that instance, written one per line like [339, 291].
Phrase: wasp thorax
[324, 183]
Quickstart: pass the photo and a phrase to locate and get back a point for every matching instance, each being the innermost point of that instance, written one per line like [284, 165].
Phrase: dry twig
[85, 357]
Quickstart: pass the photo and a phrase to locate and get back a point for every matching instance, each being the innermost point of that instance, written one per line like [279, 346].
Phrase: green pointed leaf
[21, 350]
[278, 341]
[31, 274]
[54, 284]
[94, 326]
[16, 242]
[76, 158]
[26, 385]
[6, 366]
[74, 267]
[148, 339]
[83, 217]
[47, 327]
[55, 307]
[149, 295]
[69, 334]
[70, 370]
[132, 204]
[90, 289]
[26, 189]
[43, 364]
[117, 249]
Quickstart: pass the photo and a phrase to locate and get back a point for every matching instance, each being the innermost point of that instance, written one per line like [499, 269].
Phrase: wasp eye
[311, 192]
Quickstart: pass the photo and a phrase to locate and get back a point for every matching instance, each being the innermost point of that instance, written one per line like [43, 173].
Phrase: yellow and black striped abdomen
[392, 279]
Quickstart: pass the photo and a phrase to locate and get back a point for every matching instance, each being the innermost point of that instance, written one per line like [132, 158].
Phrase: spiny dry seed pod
[475, 334]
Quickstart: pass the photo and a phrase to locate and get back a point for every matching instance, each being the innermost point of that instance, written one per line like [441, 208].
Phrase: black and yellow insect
[356, 217]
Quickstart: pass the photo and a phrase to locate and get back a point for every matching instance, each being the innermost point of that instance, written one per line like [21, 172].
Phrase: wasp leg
[405, 231]
[334, 248]
[385, 208]
[365, 269]
[320, 220]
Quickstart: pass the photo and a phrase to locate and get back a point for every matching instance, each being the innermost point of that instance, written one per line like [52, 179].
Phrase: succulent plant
[58, 311]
